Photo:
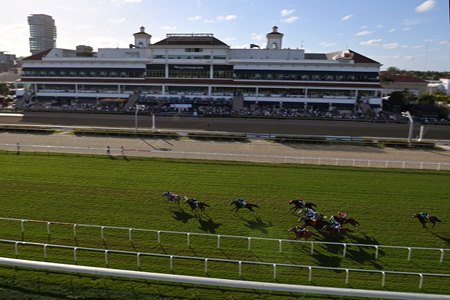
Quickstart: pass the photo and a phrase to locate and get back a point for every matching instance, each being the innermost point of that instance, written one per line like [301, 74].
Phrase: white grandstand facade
[183, 67]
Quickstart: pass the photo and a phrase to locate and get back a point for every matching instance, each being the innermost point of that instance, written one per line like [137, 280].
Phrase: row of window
[176, 73]
[189, 57]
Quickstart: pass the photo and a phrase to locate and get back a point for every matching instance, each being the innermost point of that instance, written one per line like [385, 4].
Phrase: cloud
[208, 20]
[290, 20]
[258, 37]
[229, 38]
[117, 20]
[15, 38]
[287, 12]
[401, 57]
[83, 27]
[326, 44]
[226, 18]
[394, 46]
[195, 18]
[102, 42]
[426, 6]
[374, 42]
[169, 28]
[125, 1]
[406, 28]
[361, 33]
[391, 30]
[444, 43]
[345, 18]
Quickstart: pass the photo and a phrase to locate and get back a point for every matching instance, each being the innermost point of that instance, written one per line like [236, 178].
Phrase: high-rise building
[42, 33]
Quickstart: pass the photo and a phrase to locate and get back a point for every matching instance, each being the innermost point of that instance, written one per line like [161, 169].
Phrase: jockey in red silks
[341, 215]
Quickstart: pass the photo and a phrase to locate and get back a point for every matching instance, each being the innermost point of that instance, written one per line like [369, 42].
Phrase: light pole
[411, 125]
[136, 116]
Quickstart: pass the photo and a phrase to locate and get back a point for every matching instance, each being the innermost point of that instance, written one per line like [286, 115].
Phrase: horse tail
[232, 202]
[204, 204]
[312, 204]
[437, 220]
[254, 205]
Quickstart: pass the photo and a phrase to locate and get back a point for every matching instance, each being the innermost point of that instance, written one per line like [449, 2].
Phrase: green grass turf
[119, 192]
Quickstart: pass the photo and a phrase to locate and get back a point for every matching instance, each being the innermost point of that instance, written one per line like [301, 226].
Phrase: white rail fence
[230, 156]
[216, 281]
[219, 238]
[239, 263]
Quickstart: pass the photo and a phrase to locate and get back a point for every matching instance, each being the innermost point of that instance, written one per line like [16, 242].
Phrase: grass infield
[127, 192]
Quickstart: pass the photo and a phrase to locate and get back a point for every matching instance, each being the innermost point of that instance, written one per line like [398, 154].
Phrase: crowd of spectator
[222, 108]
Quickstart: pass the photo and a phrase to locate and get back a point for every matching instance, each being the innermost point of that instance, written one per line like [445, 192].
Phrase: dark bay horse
[301, 234]
[298, 204]
[423, 220]
[334, 231]
[350, 221]
[239, 205]
[172, 197]
[195, 204]
[317, 224]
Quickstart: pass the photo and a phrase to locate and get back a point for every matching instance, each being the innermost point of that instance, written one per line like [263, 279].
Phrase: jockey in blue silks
[242, 202]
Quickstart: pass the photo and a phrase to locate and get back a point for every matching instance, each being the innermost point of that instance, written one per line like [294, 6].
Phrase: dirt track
[253, 150]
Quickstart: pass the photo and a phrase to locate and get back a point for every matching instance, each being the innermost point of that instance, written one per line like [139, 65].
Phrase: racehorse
[316, 223]
[298, 204]
[299, 234]
[239, 205]
[195, 204]
[431, 219]
[341, 221]
[172, 197]
[334, 231]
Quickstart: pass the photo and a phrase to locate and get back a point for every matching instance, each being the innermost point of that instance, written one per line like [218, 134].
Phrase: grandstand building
[184, 68]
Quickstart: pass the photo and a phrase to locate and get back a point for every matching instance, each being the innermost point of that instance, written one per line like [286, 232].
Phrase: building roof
[315, 56]
[356, 57]
[38, 56]
[401, 78]
[201, 39]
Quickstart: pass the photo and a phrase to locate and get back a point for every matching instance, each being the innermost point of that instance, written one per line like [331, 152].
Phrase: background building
[42, 33]
[7, 61]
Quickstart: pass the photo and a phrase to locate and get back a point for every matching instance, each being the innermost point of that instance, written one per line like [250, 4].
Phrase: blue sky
[408, 34]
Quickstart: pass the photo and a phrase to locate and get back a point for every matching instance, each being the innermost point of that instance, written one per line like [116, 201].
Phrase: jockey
[301, 201]
[309, 213]
[424, 215]
[341, 215]
[195, 201]
[242, 202]
[336, 226]
[301, 229]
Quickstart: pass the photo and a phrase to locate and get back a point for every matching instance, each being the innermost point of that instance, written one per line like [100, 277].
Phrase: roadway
[246, 125]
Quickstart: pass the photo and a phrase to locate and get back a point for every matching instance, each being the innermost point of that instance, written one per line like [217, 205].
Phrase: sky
[407, 34]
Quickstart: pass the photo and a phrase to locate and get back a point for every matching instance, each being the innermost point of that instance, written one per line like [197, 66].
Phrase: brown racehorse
[334, 231]
[350, 221]
[317, 224]
[299, 234]
[248, 206]
[431, 219]
[299, 205]
[195, 204]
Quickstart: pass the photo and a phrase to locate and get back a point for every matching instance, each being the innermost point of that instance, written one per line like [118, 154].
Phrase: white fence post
[347, 273]
[206, 266]
[376, 252]
[274, 271]
[383, 278]
[240, 268]
[75, 231]
[249, 244]
[48, 231]
[345, 250]
[16, 249]
[188, 240]
[218, 241]
[102, 233]
[310, 274]
[130, 238]
[45, 252]
[409, 253]
[442, 256]
[158, 235]
[279, 246]
[312, 248]
[138, 260]
[106, 258]
[420, 281]
[75, 254]
[171, 263]
[22, 228]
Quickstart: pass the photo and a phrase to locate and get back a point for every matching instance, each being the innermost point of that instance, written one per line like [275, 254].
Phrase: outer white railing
[218, 282]
[220, 237]
[371, 163]
[239, 263]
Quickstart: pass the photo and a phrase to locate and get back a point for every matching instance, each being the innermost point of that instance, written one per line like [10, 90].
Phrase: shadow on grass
[444, 238]
[208, 225]
[181, 215]
[257, 224]
[327, 260]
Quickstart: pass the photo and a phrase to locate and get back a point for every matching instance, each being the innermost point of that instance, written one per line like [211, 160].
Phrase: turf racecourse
[127, 192]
